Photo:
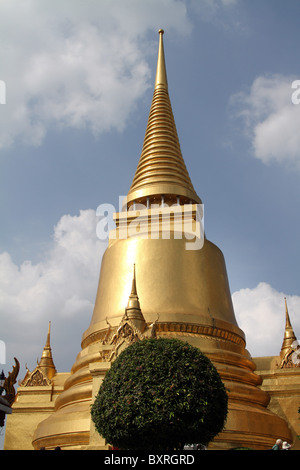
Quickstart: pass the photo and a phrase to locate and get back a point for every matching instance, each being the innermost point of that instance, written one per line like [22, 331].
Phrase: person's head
[285, 445]
[279, 442]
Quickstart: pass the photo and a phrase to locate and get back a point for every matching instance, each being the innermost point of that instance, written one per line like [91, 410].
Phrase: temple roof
[161, 169]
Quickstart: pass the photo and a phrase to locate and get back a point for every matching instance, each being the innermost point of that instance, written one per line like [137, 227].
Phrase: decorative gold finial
[46, 362]
[47, 345]
[133, 310]
[133, 287]
[288, 325]
[289, 342]
[161, 74]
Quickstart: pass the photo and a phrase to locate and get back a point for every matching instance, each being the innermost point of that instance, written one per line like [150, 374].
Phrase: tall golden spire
[46, 363]
[289, 335]
[161, 170]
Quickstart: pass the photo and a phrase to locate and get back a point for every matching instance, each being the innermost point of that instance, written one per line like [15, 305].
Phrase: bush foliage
[160, 394]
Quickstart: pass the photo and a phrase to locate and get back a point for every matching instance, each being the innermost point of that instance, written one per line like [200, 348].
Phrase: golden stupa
[179, 289]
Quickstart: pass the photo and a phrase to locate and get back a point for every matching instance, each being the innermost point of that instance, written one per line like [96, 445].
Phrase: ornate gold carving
[291, 359]
[10, 382]
[200, 330]
[127, 333]
[36, 379]
[187, 329]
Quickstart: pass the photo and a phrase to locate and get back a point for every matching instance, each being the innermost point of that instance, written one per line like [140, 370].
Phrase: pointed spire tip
[133, 287]
[161, 74]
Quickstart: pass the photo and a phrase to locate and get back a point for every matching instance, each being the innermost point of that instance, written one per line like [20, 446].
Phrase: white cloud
[260, 313]
[271, 120]
[61, 288]
[76, 64]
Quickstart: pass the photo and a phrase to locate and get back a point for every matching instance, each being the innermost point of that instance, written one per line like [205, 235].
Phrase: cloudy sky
[79, 80]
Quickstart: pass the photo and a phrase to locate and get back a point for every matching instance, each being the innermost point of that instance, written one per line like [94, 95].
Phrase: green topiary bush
[158, 395]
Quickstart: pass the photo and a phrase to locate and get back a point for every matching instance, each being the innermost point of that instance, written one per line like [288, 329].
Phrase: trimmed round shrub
[159, 395]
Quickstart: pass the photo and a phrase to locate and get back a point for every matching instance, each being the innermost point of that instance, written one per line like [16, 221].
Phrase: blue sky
[79, 81]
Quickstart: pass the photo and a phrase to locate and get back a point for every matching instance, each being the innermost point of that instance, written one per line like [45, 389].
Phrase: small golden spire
[46, 363]
[287, 317]
[133, 310]
[133, 287]
[289, 335]
[133, 301]
[161, 73]
[47, 345]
